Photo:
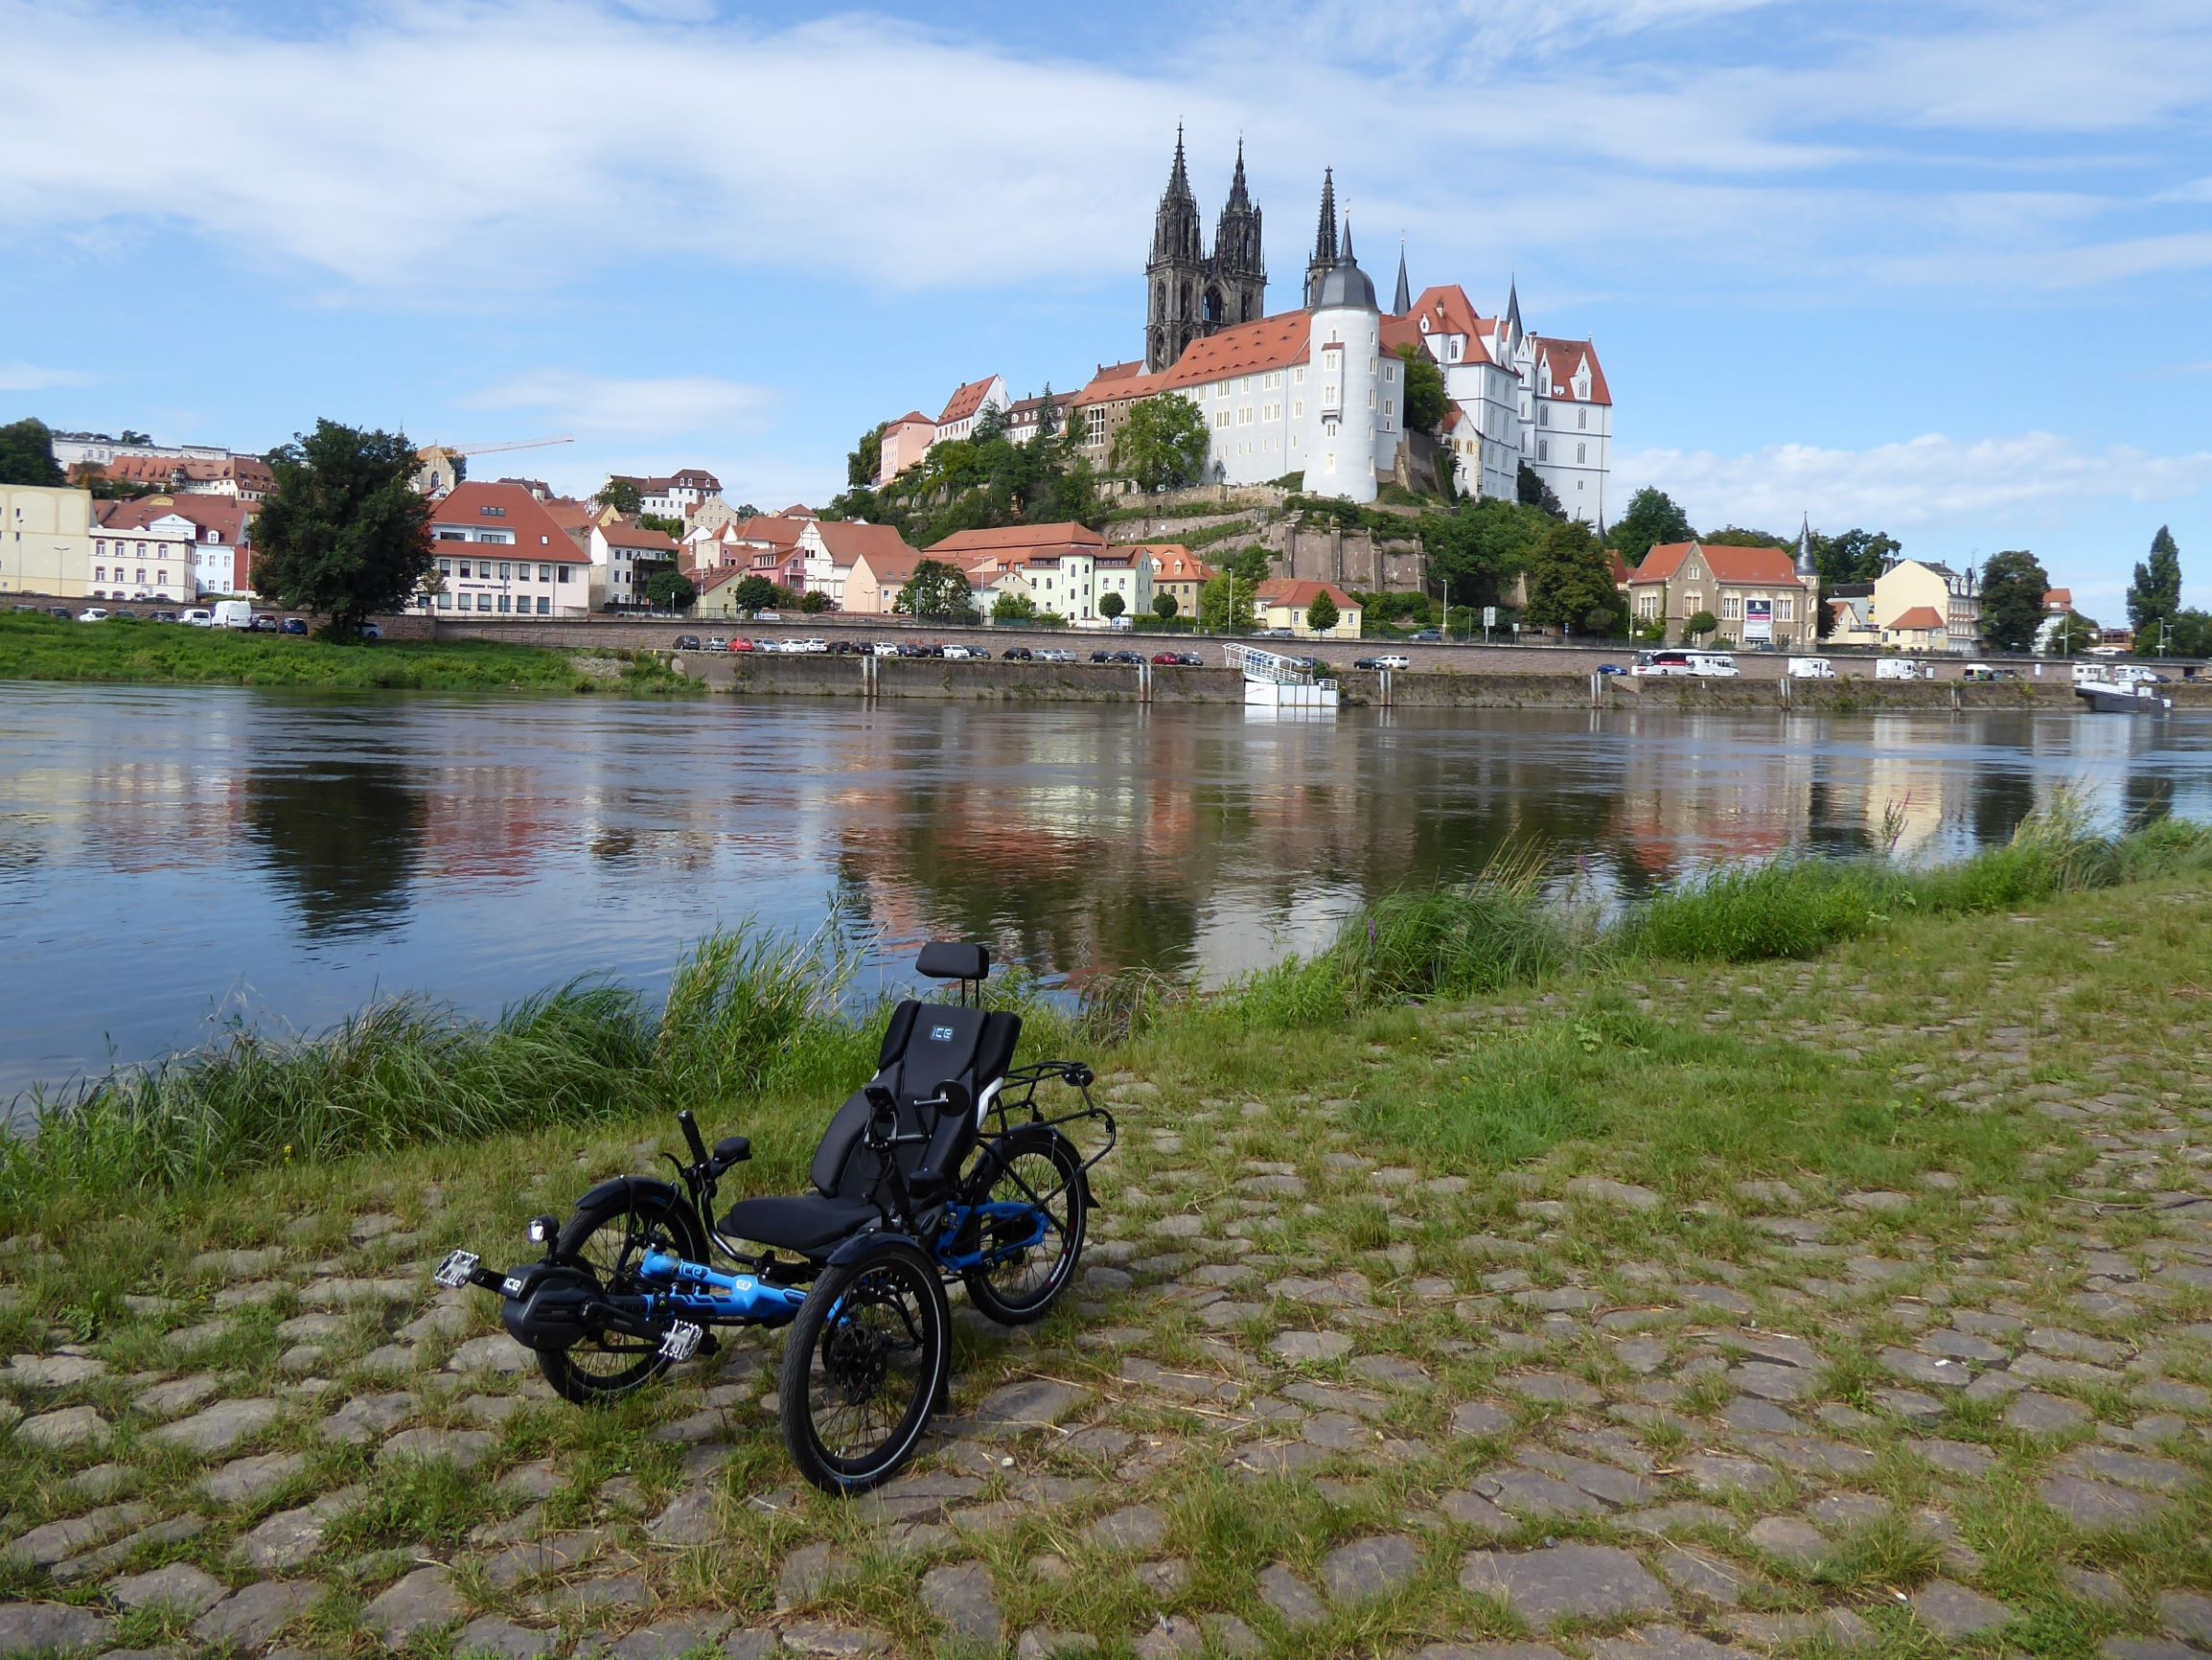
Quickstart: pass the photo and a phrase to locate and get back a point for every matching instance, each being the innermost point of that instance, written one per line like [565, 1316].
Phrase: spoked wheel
[1032, 1172]
[608, 1239]
[867, 1358]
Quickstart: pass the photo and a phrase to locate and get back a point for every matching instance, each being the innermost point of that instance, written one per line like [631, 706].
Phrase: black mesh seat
[925, 1045]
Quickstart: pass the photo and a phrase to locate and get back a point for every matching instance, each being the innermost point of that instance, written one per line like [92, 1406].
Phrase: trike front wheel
[609, 1240]
[868, 1359]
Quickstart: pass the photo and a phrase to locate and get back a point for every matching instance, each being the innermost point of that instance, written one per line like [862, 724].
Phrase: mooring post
[1385, 693]
[868, 667]
[1144, 681]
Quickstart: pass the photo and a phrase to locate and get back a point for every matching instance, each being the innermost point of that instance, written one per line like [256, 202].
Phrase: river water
[172, 858]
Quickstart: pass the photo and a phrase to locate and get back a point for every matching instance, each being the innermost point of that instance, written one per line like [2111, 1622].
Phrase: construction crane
[439, 474]
[495, 449]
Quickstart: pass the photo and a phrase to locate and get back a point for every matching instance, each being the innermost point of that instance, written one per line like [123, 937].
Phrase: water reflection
[161, 851]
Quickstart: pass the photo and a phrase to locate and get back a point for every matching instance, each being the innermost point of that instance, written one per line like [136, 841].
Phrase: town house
[1757, 594]
[500, 553]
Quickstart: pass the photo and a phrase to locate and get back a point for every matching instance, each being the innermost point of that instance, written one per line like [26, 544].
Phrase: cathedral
[1195, 293]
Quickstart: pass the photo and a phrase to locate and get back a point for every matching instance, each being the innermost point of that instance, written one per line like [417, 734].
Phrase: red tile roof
[846, 541]
[1027, 540]
[1299, 595]
[773, 528]
[229, 517]
[911, 418]
[966, 401]
[1921, 617]
[1449, 311]
[1249, 349]
[1565, 357]
[2058, 599]
[1735, 566]
[1176, 563]
[538, 534]
[637, 535]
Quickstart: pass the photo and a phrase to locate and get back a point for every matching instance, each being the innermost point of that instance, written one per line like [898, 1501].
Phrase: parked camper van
[1811, 669]
[1903, 669]
[234, 613]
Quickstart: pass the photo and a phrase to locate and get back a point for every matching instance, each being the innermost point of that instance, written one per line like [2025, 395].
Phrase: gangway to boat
[1277, 681]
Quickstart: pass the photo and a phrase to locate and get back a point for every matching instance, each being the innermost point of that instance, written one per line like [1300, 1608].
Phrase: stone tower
[1190, 294]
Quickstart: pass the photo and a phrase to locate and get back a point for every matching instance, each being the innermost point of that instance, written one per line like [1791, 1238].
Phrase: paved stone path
[1307, 1400]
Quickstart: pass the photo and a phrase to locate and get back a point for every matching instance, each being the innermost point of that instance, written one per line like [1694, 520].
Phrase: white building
[961, 409]
[501, 553]
[203, 542]
[623, 559]
[1124, 569]
[679, 495]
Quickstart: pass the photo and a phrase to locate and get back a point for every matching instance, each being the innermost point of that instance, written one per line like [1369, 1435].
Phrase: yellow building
[1284, 604]
[1912, 591]
[45, 540]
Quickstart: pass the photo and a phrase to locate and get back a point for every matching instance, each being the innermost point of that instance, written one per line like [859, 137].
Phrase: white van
[1811, 669]
[198, 617]
[1903, 669]
[1714, 665]
[233, 614]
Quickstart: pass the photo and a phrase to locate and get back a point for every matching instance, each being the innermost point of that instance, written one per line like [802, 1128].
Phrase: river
[174, 858]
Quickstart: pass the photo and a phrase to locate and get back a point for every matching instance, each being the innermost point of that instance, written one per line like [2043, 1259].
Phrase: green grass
[127, 650]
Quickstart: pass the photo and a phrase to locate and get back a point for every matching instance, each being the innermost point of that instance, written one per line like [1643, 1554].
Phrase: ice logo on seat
[940, 1034]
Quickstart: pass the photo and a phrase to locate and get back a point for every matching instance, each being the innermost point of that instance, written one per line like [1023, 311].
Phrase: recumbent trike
[942, 1167]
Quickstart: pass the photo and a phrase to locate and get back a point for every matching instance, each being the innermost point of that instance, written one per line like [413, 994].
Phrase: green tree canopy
[1218, 613]
[1165, 605]
[1530, 488]
[2192, 634]
[1320, 615]
[1112, 606]
[670, 590]
[865, 459]
[342, 531]
[937, 590]
[26, 454]
[1163, 444]
[1425, 400]
[1652, 518]
[1854, 555]
[755, 593]
[1571, 583]
[813, 602]
[1698, 625]
[621, 494]
[1048, 414]
[1736, 536]
[2076, 634]
[2014, 584]
[1013, 607]
[2155, 593]
[1475, 551]
[672, 528]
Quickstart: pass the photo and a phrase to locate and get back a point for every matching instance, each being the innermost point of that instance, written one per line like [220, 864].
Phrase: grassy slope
[37, 648]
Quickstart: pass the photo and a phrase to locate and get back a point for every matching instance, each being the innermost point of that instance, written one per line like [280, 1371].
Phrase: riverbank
[129, 652]
[1854, 1298]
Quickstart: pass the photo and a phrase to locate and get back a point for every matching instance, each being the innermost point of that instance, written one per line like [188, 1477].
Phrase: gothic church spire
[1325, 248]
[1403, 301]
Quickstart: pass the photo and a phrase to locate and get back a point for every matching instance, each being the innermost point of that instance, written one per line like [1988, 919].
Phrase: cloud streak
[630, 408]
[31, 378]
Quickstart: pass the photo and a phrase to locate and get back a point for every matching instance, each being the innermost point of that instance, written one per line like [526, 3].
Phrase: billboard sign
[1758, 621]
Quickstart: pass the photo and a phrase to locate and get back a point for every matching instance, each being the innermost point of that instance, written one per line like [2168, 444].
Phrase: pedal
[454, 1272]
[681, 1341]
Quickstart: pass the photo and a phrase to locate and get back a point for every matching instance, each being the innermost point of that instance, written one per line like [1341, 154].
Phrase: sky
[1939, 269]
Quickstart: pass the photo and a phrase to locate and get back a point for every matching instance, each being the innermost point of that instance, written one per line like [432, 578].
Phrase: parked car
[982, 654]
[1611, 669]
[198, 617]
[717, 643]
[1055, 655]
[688, 643]
[958, 654]
[1430, 636]
[61, 611]
[1018, 654]
[887, 647]
[1167, 660]
[741, 644]
[912, 649]
[233, 614]
[815, 647]
[265, 622]
[292, 625]
[92, 613]
[370, 631]
[161, 616]
[1394, 660]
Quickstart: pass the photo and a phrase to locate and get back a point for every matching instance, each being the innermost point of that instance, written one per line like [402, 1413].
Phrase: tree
[938, 591]
[1425, 402]
[865, 459]
[2191, 635]
[1048, 416]
[755, 593]
[131, 435]
[621, 494]
[1112, 606]
[1165, 605]
[342, 531]
[1475, 552]
[672, 528]
[1571, 583]
[1532, 492]
[2155, 593]
[1163, 444]
[2075, 635]
[1320, 615]
[2014, 584]
[670, 590]
[1700, 625]
[812, 603]
[1654, 517]
[1013, 607]
[26, 454]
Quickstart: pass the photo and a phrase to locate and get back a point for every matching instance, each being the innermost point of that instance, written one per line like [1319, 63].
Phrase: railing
[1259, 665]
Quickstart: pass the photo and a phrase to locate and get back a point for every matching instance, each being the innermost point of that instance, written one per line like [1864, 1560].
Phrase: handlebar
[691, 1135]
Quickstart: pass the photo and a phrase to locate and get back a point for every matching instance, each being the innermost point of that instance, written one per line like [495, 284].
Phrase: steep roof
[1175, 562]
[1733, 565]
[2058, 599]
[1113, 382]
[911, 418]
[774, 530]
[966, 401]
[538, 534]
[1449, 310]
[637, 535]
[1249, 349]
[1300, 595]
[1565, 357]
[1921, 617]
[846, 541]
[230, 518]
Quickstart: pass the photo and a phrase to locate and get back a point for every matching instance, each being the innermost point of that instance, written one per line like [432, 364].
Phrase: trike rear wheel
[609, 1240]
[868, 1359]
[1038, 1170]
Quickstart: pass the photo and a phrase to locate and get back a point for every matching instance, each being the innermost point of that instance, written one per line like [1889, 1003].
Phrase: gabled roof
[1921, 617]
[1028, 540]
[1733, 565]
[1565, 357]
[966, 401]
[1299, 595]
[1172, 561]
[2058, 599]
[846, 541]
[1114, 383]
[230, 518]
[1249, 349]
[538, 534]
[637, 535]
[1449, 310]
[911, 418]
[774, 530]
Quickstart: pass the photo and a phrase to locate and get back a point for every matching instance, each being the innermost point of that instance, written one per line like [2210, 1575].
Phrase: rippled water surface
[170, 857]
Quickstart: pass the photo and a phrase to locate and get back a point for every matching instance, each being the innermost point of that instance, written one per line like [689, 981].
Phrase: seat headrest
[954, 959]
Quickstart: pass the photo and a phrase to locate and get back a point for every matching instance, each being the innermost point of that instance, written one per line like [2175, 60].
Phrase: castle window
[1298, 409]
[1298, 376]
[1390, 371]
[1581, 452]
[1583, 418]
[1543, 450]
[1544, 416]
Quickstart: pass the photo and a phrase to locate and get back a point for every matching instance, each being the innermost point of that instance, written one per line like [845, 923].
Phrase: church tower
[1176, 272]
[1240, 271]
[1325, 254]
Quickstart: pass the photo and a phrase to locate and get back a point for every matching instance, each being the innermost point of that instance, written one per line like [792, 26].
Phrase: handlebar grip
[691, 1135]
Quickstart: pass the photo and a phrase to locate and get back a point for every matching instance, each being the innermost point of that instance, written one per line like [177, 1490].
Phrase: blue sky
[1938, 269]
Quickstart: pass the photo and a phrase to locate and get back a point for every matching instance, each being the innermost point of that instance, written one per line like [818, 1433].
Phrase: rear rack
[1017, 1094]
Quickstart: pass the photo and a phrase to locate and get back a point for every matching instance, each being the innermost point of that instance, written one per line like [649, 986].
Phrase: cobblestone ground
[1313, 1397]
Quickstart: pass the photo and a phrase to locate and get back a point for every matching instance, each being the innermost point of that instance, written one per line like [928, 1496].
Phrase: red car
[1168, 659]
[741, 645]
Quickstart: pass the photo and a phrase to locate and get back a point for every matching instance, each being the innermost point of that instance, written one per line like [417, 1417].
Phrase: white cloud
[1924, 482]
[614, 406]
[29, 378]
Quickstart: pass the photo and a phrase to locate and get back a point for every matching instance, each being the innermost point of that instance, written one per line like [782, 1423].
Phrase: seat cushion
[806, 1224]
